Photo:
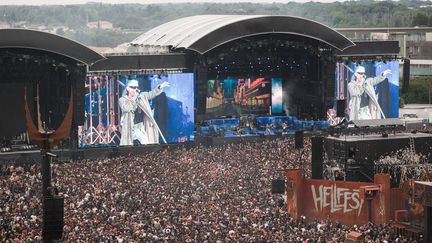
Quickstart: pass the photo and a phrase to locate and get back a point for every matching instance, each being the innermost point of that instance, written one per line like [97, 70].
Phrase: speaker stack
[317, 157]
[406, 75]
[278, 186]
[53, 213]
[298, 139]
[340, 109]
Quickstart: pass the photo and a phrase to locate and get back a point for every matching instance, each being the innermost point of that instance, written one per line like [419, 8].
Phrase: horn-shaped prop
[62, 132]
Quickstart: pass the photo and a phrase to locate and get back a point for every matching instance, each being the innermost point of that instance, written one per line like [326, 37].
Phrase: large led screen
[138, 109]
[370, 89]
[234, 96]
[277, 96]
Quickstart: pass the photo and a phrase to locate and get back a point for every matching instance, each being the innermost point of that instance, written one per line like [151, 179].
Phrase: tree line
[130, 20]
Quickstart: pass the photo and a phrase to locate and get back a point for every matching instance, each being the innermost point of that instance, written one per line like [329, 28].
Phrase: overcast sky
[65, 2]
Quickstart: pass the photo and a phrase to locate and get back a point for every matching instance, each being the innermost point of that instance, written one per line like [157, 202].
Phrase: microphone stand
[154, 122]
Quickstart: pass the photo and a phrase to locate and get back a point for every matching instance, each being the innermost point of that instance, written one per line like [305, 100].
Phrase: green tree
[419, 92]
[138, 18]
[401, 102]
[420, 19]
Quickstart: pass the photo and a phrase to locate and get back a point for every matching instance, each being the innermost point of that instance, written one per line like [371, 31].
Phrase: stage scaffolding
[102, 113]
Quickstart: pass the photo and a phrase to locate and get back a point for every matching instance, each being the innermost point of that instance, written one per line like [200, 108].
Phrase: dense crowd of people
[199, 194]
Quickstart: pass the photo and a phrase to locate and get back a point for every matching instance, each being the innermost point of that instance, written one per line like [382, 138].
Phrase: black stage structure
[301, 51]
[49, 66]
[358, 155]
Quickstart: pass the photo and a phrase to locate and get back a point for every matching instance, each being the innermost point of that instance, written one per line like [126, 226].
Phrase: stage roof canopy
[371, 48]
[38, 40]
[202, 33]
[141, 62]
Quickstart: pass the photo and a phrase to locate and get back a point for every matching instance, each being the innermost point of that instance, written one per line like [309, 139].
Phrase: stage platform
[374, 137]
[370, 147]
[360, 152]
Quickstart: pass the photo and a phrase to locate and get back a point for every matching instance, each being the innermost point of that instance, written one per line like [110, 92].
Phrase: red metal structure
[409, 207]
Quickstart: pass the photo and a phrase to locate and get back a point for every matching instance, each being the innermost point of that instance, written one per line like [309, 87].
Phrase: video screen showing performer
[370, 89]
[143, 129]
[138, 109]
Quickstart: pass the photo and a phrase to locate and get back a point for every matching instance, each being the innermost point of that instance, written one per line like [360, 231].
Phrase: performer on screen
[134, 103]
[363, 103]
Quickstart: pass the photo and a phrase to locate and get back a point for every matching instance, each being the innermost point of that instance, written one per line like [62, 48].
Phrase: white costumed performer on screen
[363, 102]
[133, 102]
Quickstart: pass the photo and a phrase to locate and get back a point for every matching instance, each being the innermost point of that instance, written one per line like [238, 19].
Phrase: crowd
[199, 194]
